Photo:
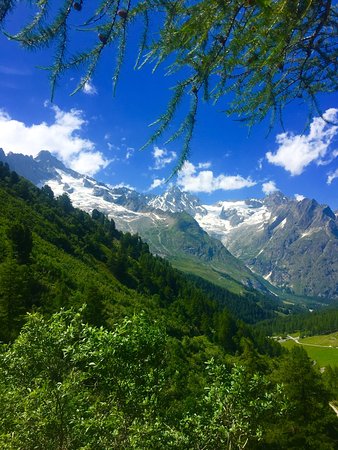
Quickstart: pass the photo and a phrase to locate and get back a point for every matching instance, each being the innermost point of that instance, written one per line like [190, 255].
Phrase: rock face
[38, 170]
[292, 244]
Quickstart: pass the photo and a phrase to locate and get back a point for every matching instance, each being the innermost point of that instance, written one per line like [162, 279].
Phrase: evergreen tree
[20, 238]
[310, 423]
[65, 203]
[330, 378]
[16, 297]
[47, 192]
[225, 330]
[4, 170]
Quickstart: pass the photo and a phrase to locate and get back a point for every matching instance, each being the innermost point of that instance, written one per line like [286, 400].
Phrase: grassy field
[326, 339]
[324, 356]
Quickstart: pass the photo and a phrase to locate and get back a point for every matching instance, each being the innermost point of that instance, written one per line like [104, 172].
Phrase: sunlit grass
[327, 339]
[324, 356]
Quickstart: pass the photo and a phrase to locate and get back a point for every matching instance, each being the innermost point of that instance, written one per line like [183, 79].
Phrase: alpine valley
[274, 245]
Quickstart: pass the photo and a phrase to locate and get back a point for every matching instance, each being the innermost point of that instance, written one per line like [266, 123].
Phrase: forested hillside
[317, 322]
[122, 351]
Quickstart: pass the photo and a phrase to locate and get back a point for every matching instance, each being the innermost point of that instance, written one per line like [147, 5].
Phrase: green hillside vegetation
[323, 321]
[251, 307]
[315, 331]
[120, 350]
[189, 248]
[321, 348]
[203, 270]
[296, 302]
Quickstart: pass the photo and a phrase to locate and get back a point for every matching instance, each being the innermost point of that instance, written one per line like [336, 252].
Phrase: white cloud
[130, 152]
[332, 176]
[205, 165]
[296, 152]
[156, 183]
[113, 147]
[299, 197]
[62, 138]
[88, 162]
[190, 178]
[121, 149]
[269, 187]
[163, 157]
[89, 88]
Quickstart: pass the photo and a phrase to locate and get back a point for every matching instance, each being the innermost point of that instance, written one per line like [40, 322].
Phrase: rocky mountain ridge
[171, 233]
[292, 244]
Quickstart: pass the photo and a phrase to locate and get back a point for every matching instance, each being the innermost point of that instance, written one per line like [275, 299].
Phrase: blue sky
[96, 133]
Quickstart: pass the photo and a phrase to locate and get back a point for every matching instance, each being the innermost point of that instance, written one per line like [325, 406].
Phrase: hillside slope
[53, 255]
[157, 220]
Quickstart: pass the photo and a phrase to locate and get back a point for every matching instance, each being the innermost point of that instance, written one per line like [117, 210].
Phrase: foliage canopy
[152, 362]
[253, 56]
[67, 385]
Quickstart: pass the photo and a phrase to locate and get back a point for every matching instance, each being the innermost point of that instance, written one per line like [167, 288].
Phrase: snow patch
[309, 232]
[282, 224]
[260, 252]
[245, 215]
[268, 276]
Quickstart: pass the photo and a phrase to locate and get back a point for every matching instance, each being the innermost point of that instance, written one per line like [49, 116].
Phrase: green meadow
[324, 356]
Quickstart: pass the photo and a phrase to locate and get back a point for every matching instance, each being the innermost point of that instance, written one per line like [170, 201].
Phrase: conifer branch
[167, 117]
[44, 35]
[144, 37]
[121, 50]
[187, 127]
[6, 6]
[256, 55]
[101, 11]
[57, 69]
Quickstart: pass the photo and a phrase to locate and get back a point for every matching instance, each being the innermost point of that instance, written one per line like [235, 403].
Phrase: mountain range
[273, 244]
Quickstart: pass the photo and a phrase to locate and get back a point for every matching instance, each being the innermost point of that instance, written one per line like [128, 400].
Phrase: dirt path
[296, 339]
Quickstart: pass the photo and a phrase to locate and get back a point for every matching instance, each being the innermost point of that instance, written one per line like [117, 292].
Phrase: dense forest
[323, 321]
[105, 346]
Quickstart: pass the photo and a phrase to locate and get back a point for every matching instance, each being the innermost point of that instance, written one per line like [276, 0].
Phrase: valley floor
[322, 349]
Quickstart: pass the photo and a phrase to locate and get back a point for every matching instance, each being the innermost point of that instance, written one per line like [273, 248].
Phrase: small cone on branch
[221, 39]
[103, 38]
[122, 13]
[77, 6]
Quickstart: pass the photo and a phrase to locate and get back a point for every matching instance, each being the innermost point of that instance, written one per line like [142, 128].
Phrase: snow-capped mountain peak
[175, 200]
